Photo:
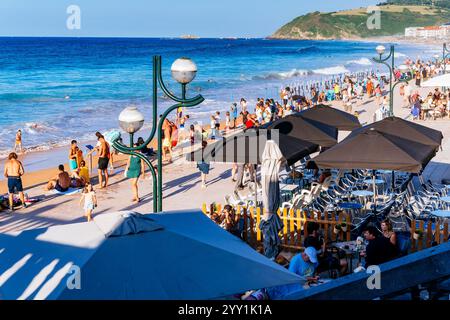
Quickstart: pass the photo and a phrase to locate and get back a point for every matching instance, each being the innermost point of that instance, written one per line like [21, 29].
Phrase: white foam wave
[362, 62]
[399, 55]
[283, 75]
[36, 128]
[332, 70]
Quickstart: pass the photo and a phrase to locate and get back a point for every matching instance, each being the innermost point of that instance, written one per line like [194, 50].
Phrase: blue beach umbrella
[125, 255]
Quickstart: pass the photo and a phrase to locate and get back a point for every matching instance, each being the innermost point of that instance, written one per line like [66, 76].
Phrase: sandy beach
[181, 182]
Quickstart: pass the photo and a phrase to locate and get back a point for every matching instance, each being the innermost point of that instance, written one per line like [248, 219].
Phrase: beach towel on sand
[69, 192]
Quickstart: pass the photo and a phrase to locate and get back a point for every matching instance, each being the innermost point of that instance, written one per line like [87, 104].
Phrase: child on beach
[18, 143]
[217, 117]
[203, 167]
[83, 172]
[234, 111]
[90, 201]
[213, 128]
[75, 156]
[227, 121]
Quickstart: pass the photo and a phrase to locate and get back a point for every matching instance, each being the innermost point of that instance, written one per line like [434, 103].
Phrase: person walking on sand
[369, 88]
[103, 151]
[18, 143]
[234, 114]
[213, 128]
[90, 201]
[243, 104]
[203, 167]
[167, 140]
[13, 172]
[134, 169]
[227, 122]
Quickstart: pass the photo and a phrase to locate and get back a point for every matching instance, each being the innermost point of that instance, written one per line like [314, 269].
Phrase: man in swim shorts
[103, 159]
[61, 182]
[13, 172]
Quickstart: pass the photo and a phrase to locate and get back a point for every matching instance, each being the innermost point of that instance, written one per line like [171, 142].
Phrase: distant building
[428, 32]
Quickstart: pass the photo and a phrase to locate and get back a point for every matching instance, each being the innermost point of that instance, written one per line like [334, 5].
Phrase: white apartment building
[428, 32]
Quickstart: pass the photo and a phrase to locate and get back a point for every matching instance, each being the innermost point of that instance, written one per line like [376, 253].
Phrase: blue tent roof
[179, 255]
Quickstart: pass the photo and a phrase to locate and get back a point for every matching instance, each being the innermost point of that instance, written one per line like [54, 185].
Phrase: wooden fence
[294, 229]
[431, 234]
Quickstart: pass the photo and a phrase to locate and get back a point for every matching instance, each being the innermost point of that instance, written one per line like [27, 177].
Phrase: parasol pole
[393, 181]
[374, 192]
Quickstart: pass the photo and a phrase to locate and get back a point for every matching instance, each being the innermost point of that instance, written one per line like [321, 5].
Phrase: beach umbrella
[439, 81]
[405, 129]
[125, 255]
[305, 129]
[330, 116]
[271, 224]
[373, 149]
[247, 148]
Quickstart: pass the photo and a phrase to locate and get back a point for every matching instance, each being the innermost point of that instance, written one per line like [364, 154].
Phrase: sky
[159, 18]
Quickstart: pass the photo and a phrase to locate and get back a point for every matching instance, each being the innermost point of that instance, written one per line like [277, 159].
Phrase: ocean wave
[36, 128]
[283, 75]
[362, 62]
[399, 55]
[331, 70]
[310, 49]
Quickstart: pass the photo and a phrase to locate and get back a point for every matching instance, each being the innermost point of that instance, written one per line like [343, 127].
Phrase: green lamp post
[131, 120]
[391, 66]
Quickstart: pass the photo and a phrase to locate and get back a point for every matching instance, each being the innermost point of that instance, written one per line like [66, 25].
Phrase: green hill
[352, 24]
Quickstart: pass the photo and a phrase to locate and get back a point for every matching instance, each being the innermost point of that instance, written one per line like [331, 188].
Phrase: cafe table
[351, 249]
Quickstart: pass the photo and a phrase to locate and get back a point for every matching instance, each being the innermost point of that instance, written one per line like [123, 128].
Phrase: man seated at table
[303, 264]
[379, 250]
[326, 261]
[61, 182]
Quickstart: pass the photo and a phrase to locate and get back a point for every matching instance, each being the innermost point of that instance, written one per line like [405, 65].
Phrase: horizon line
[137, 37]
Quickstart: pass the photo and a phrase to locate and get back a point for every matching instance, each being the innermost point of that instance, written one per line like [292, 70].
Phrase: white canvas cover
[176, 255]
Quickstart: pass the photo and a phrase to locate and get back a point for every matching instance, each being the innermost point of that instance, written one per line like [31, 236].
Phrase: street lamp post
[131, 120]
[391, 66]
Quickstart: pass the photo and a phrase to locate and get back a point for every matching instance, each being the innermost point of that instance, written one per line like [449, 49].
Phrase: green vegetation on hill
[435, 3]
[352, 24]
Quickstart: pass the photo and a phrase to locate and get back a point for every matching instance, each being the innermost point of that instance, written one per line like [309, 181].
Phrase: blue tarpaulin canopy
[124, 255]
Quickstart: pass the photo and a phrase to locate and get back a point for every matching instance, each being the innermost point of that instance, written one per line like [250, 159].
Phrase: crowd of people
[78, 175]
[348, 90]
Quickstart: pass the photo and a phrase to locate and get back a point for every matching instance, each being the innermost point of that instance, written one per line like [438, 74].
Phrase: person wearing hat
[304, 264]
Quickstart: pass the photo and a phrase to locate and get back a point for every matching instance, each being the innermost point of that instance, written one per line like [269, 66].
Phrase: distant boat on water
[189, 36]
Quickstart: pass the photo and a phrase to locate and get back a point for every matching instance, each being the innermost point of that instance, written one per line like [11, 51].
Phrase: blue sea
[58, 89]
